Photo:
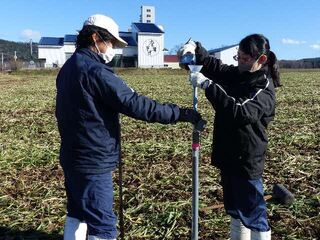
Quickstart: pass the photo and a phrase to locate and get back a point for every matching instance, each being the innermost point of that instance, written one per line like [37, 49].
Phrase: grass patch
[157, 170]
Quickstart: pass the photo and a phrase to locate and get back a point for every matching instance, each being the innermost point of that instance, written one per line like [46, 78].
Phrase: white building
[171, 61]
[150, 39]
[55, 51]
[225, 54]
[145, 45]
[148, 14]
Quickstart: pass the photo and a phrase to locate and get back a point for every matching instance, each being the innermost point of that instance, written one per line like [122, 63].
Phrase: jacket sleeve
[218, 72]
[213, 68]
[242, 111]
[116, 94]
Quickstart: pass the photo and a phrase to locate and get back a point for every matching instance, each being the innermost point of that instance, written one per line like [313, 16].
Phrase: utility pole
[31, 47]
[1, 62]
[15, 56]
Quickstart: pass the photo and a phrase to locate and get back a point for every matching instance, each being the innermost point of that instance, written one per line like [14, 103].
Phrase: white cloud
[292, 41]
[315, 46]
[28, 34]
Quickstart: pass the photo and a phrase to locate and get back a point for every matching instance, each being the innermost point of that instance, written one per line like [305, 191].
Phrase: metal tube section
[195, 98]
[195, 191]
[195, 163]
[195, 171]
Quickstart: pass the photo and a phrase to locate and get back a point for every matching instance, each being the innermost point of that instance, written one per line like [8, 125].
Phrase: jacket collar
[93, 55]
[254, 79]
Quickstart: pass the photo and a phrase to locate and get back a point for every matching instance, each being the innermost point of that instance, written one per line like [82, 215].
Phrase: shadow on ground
[13, 234]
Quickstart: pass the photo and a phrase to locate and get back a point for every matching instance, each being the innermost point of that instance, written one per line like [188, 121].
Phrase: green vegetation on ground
[157, 161]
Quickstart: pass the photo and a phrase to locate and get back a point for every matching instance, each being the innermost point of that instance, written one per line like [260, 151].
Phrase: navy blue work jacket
[89, 98]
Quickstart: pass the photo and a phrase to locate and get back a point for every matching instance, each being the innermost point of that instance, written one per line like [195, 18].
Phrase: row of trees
[303, 63]
[23, 51]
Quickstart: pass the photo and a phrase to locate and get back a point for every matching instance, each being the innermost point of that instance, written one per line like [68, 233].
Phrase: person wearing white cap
[89, 98]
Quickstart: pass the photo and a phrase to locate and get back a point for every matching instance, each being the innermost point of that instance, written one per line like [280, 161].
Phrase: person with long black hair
[243, 98]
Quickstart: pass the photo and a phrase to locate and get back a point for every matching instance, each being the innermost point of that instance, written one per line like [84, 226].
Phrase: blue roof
[51, 41]
[148, 27]
[221, 49]
[70, 38]
[128, 38]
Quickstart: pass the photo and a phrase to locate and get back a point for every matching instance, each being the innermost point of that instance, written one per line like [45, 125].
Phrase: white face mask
[108, 55]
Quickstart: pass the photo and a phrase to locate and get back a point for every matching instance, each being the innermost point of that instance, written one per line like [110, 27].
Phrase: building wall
[53, 55]
[217, 55]
[150, 50]
[68, 49]
[173, 65]
[227, 56]
[134, 32]
[147, 14]
[129, 51]
[59, 55]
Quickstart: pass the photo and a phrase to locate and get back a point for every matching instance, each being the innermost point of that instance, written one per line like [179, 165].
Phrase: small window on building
[148, 15]
[148, 10]
[148, 21]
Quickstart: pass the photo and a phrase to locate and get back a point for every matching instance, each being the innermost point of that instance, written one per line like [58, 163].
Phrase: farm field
[157, 161]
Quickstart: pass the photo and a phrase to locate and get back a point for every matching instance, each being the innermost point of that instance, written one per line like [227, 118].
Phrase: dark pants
[90, 199]
[243, 199]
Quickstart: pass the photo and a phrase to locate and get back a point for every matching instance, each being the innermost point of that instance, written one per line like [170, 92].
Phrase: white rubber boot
[239, 231]
[90, 237]
[74, 229]
[261, 235]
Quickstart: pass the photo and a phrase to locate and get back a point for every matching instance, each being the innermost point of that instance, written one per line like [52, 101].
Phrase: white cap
[108, 24]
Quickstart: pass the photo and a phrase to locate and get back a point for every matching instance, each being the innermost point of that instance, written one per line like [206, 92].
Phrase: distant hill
[22, 50]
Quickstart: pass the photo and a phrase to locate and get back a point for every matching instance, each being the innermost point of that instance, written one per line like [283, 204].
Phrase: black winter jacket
[88, 102]
[244, 105]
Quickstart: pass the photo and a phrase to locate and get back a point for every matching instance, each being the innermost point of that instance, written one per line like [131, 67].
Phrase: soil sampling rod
[195, 163]
[189, 59]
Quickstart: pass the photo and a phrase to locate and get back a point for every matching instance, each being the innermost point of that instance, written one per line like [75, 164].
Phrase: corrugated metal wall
[150, 50]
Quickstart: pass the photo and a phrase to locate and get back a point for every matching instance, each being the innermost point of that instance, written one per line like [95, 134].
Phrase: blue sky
[292, 26]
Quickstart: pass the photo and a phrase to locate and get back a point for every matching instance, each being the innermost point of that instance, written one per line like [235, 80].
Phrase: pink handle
[195, 145]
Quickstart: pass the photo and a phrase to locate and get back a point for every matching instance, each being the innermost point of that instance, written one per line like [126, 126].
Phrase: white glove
[197, 79]
[189, 47]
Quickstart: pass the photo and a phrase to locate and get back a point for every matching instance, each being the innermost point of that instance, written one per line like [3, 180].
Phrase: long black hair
[255, 45]
[84, 38]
